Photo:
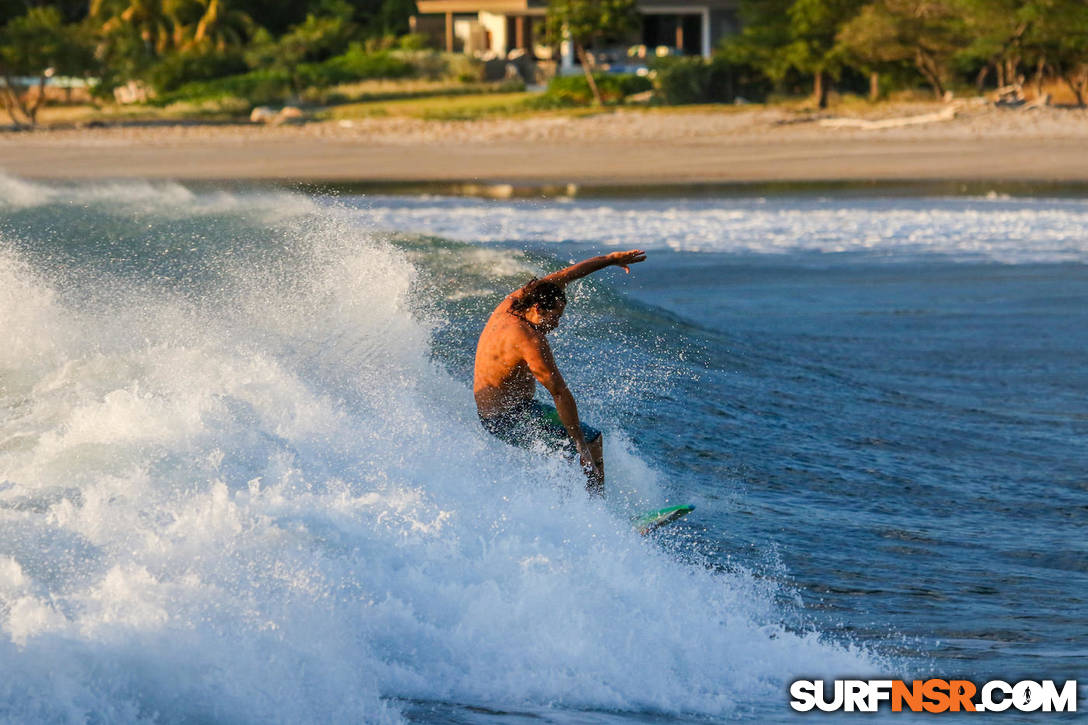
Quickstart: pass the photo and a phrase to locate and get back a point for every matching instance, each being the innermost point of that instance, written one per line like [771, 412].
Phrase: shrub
[428, 64]
[177, 69]
[434, 65]
[744, 81]
[574, 90]
[381, 43]
[356, 64]
[228, 105]
[681, 80]
[272, 85]
[414, 41]
[463, 67]
[259, 87]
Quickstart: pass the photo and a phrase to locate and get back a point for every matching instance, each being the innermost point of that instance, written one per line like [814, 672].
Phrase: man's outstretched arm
[589, 266]
[541, 363]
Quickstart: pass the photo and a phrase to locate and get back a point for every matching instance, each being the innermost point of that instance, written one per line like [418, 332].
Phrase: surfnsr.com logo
[933, 696]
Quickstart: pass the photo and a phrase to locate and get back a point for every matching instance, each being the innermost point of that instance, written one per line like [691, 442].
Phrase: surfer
[513, 351]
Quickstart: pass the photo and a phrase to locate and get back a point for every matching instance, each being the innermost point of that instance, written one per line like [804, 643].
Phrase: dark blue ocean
[241, 478]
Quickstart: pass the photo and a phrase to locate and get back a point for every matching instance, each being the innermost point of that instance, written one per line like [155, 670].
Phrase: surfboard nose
[653, 520]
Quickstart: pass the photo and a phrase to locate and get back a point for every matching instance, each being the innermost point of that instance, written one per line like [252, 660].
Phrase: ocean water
[242, 479]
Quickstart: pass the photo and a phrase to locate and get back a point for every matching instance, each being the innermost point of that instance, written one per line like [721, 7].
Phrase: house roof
[537, 7]
[501, 7]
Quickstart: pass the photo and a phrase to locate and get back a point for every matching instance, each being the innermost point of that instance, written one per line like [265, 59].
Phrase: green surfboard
[654, 520]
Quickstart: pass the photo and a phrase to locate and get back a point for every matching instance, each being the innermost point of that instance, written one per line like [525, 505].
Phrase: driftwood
[1039, 102]
[643, 97]
[946, 114]
[1010, 96]
[287, 114]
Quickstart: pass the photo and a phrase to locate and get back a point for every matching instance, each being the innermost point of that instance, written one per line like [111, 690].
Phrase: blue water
[241, 478]
[906, 438]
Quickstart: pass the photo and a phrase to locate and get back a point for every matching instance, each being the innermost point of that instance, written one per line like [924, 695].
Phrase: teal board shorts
[531, 422]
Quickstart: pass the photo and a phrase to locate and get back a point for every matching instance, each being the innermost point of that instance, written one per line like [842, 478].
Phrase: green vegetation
[942, 44]
[273, 83]
[584, 22]
[225, 53]
[693, 80]
[454, 107]
[226, 56]
[609, 89]
[34, 47]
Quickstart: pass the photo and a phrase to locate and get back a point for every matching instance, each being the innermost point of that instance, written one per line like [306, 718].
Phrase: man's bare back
[513, 354]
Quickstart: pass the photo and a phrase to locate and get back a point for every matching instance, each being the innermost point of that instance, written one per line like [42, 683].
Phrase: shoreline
[619, 150]
[858, 188]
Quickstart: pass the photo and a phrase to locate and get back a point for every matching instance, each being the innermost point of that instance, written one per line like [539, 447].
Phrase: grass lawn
[438, 100]
[451, 100]
[136, 113]
[445, 108]
[403, 89]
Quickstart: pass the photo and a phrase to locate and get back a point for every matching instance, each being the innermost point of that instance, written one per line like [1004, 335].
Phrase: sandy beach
[981, 143]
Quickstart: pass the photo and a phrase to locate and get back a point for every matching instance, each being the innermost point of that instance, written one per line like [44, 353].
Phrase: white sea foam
[998, 229]
[263, 502]
[163, 199]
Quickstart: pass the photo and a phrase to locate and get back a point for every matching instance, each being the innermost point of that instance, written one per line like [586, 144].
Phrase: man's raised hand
[622, 259]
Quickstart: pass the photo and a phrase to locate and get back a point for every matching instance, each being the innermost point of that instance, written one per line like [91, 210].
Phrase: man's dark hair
[539, 293]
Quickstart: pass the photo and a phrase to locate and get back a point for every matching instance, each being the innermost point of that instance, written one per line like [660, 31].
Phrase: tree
[994, 34]
[134, 35]
[220, 26]
[765, 30]
[784, 36]
[154, 21]
[926, 33]
[758, 47]
[582, 22]
[165, 26]
[383, 17]
[1059, 34]
[33, 48]
[813, 26]
[870, 41]
[317, 38]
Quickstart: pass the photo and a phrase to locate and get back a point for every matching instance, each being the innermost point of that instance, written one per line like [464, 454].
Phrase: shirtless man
[512, 351]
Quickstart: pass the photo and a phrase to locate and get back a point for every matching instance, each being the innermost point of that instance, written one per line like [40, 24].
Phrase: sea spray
[236, 487]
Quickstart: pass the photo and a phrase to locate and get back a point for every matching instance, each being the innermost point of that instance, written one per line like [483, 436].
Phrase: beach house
[688, 27]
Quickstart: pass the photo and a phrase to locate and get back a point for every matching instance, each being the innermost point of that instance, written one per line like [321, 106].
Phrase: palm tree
[147, 17]
[221, 26]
